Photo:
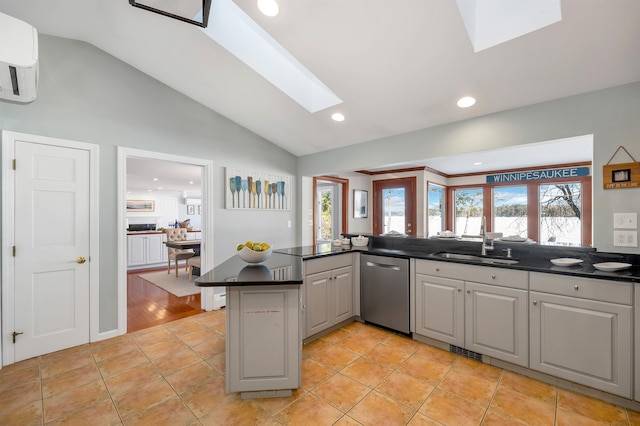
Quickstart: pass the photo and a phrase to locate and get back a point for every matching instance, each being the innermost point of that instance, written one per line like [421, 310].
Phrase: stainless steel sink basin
[477, 258]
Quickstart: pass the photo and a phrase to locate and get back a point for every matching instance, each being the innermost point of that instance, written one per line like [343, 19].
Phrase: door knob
[81, 260]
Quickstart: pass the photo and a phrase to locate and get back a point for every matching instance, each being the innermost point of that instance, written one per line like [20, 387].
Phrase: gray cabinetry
[263, 356]
[482, 309]
[440, 309]
[328, 292]
[637, 340]
[496, 322]
[581, 330]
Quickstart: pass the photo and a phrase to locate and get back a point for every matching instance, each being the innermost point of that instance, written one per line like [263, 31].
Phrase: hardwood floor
[149, 305]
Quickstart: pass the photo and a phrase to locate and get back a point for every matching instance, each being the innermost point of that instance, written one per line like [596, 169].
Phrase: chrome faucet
[483, 233]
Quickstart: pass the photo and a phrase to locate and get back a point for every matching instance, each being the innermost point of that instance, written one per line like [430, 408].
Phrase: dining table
[185, 245]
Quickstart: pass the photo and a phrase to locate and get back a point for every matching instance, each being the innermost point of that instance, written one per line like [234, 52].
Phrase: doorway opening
[160, 204]
[330, 208]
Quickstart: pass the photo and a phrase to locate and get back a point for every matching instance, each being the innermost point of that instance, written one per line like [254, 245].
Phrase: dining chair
[177, 234]
[191, 263]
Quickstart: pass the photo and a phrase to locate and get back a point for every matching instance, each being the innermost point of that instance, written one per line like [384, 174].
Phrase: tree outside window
[468, 204]
[561, 213]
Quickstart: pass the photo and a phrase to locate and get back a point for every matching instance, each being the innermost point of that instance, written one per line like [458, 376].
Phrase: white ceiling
[153, 176]
[398, 66]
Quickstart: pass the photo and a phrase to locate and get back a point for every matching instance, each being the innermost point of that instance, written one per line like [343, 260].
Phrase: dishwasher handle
[383, 265]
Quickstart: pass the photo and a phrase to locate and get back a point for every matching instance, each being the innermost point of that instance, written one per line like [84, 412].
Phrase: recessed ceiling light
[155, 179]
[466, 102]
[477, 163]
[191, 182]
[160, 188]
[268, 7]
[337, 116]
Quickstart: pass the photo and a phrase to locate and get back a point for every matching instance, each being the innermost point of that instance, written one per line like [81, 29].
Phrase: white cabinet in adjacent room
[581, 330]
[146, 249]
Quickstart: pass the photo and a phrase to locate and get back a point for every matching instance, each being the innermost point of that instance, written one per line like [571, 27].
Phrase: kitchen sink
[476, 258]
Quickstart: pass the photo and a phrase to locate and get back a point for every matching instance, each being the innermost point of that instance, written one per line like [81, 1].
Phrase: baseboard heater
[219, 301]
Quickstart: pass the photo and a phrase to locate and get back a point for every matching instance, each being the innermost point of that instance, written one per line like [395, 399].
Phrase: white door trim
[207, 223]
[9, 139]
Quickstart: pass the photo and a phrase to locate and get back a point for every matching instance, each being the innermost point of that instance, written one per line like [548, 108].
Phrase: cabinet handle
[437, 269]
[459, 289]
[535, 302]
[468, 291]
[575, 287]
[493, 277]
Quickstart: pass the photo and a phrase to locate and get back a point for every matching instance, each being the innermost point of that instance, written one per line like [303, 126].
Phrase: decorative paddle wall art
[257, 190]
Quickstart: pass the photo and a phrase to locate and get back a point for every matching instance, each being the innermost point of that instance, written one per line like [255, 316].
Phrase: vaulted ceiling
[398, 66]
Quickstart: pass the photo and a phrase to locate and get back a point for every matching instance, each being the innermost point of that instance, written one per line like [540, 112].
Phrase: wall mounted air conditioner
[18, 60]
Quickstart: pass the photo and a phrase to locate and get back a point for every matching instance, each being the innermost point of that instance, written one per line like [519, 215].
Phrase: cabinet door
[318, 302]
[637, 339]
[496, 322]
[136, 250]
[263, 342]
[585, 341]
[439, 308]
[155, 248]
[342, 294]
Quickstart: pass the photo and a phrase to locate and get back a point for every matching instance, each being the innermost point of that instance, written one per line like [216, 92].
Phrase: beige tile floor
[173, 374]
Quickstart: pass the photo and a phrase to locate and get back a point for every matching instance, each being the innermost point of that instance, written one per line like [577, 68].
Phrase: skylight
[491, 22]
[234, 30]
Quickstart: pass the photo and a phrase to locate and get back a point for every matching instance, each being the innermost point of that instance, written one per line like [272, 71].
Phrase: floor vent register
[465, 352]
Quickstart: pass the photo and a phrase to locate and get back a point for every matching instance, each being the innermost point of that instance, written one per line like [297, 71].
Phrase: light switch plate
[625, 238]
[625, 220]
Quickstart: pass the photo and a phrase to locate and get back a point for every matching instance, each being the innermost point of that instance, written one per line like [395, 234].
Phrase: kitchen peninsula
[263, 340]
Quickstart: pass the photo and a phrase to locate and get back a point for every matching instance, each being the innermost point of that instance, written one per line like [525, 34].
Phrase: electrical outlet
[625, 238]
[625, 220]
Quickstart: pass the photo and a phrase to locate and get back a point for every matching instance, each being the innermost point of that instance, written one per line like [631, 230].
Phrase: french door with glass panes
[394, 206]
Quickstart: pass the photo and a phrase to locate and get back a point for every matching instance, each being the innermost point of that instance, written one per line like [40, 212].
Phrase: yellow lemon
[239, 247]
[264, 246]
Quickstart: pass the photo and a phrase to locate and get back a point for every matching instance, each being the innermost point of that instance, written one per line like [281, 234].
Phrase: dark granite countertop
[278, 269]
[531, 257]
[285, 265]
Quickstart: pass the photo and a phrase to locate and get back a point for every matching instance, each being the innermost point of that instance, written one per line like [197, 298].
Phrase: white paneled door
[52, 275]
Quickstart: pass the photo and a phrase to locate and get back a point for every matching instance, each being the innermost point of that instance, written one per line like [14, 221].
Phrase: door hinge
[14, 251]
[14, 164]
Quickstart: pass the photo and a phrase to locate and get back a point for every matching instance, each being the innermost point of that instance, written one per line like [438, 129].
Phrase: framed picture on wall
[199, 209]
[360, 203]
[191, 209]
[141, 205]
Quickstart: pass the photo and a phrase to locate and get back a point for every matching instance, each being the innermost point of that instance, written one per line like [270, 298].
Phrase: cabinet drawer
[585, 288]
[313, 266]
[480, 274]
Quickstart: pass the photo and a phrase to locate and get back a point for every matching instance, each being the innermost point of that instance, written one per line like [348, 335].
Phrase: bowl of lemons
[254, 253]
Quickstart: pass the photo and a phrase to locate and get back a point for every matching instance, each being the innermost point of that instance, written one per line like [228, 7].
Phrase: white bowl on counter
[254, 257]
[359, 241]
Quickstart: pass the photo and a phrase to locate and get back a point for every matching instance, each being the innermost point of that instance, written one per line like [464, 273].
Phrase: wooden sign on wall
[623, 175]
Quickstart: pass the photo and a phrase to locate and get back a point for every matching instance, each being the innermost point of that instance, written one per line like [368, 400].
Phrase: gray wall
[87, 95]
[611, 115]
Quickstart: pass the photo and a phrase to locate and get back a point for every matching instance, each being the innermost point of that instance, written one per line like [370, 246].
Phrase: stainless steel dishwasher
[384, 291]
